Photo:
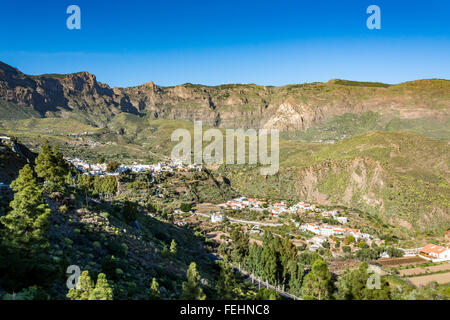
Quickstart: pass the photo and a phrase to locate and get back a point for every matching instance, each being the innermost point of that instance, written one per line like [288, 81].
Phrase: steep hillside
[13, 156]
[291, 107]
[129, 236]
[350, 124]
[99, 241]
[402, 178]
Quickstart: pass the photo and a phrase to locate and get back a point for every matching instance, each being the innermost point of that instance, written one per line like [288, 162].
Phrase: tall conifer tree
[27, 223]
[191, 288]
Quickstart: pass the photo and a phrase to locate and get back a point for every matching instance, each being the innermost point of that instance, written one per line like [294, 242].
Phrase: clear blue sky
[230, 41]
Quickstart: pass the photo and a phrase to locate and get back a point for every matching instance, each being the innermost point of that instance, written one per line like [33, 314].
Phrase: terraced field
[440, 278]
[424, 270]
[404, 261]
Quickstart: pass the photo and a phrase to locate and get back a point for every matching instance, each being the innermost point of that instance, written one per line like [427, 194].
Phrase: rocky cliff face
[290, 116]
[293, 107]
[52, 93]
[352, 183]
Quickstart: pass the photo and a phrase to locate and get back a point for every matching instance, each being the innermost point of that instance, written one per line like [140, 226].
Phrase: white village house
[435, 253]
[217, 217]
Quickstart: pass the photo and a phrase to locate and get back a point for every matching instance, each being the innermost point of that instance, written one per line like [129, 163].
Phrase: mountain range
[288, 108]
[379, 148]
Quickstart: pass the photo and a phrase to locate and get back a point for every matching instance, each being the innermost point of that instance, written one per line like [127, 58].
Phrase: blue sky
[131, 42]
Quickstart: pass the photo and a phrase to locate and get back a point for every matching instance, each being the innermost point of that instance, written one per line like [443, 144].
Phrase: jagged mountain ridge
[50, 93]
[291, 107]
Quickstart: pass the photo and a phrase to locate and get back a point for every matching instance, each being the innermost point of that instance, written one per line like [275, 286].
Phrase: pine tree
[44, 161]
[27, 223]
[254, 259]
[61, 164]
[317, 284]
[240, 242]
[165, 251]
[267, 294]
[50, 165]
[173, 247]
[227, 282]
[130, 211]
[287, 253]
[191, 288]
[269, 264]
[295, 272]
[105, 186]
[154, 292]
[352, 285]
[83, 289]
[102, 290]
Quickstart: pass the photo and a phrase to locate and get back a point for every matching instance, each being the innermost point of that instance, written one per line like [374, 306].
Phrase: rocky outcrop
[13, 156]
[351, 183]
[290, 116]
[292, 107]
[52, 93]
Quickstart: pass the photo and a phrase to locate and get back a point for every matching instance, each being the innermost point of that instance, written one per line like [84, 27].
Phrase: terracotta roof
[432, 248]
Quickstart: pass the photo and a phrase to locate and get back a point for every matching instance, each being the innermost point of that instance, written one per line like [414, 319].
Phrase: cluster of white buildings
[86, 168]
[255, 204]
[335, 215]
[302, 206]
[327, 231]
[243, 202]
[278, 208]
[100, 168]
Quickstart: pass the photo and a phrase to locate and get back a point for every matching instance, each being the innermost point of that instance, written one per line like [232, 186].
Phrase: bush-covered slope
[401, 177]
